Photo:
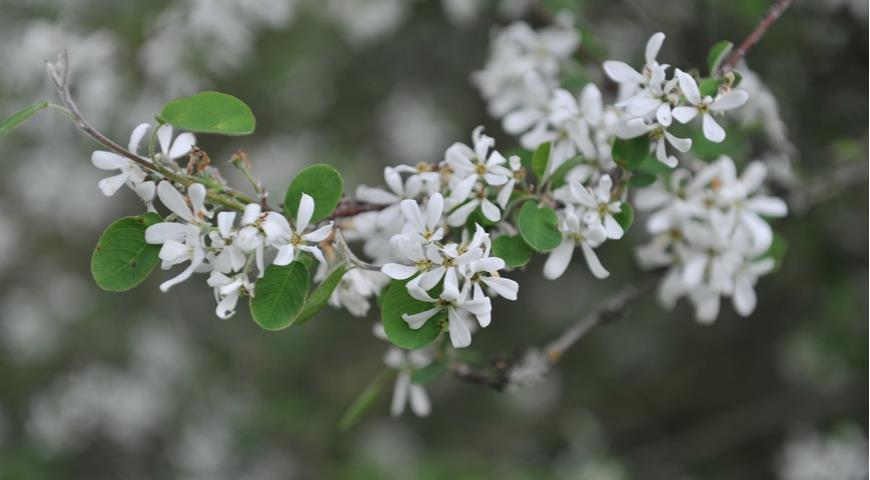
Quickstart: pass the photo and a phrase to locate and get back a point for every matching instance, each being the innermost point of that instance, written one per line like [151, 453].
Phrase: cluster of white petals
[709, 231]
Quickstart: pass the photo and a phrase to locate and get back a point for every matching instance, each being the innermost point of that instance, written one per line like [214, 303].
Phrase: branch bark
[775, 11]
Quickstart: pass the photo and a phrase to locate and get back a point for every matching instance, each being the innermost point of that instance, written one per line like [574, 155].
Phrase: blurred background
[143, 385]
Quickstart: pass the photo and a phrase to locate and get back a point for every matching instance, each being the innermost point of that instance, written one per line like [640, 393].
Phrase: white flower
[599, 204]
[629, 79]
[287, 239]
[658, 135]
[173, 149]
[517, 174]
[130, 173]
[459, 309]
[478, 161]
[227, 291]
[706, 106]
[405, 389]
[174, 252]
[576, 233]
[423, 227]
[231, 256]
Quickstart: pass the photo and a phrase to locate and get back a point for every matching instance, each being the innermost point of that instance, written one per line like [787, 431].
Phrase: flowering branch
[775, 11]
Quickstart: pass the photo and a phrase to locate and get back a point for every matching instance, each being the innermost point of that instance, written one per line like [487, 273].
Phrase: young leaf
[625, 217]
[653, 166]
[541, 160]
[641, 180]
[318, 298]
[122, 258]
[557, 179]
[428, 373]
[210, 112]
[513, 250]
[364, 402]
[323, 183]
[710, 86]
[631, 153]
[279, 295]
[20, 117]
[397, 301]
[538, 228]
[718, 54]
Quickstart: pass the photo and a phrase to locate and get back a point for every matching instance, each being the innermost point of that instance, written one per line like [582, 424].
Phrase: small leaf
[710, 86]
[538, 228]
[541, 160]
[653, 166]
[513, 250]
[122, 258]
[209, 112]
[641, 180]
[718, 54]
[428, 373]
[323, 183]
[397, 301]
[318, 298]
[631, 153]
[279, 295]
[557, 179]
[625, 217]
[364, 402]
[20, 117]
[525, 157]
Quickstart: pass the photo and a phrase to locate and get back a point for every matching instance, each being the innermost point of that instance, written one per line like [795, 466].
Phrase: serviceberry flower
[171, 150]
[227, 291]
[706, 106]
[129, 173]
[288, 240]
[576, 233]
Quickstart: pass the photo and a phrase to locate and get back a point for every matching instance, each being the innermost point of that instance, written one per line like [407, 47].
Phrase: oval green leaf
[279, 295]
[538, 227]
[513, 250]
[210, 112]
[318, 298]
[20, 117]
[122, 259]
[541, 160]
[625, 216]
[397, 301]
[632, 152]
[323, 183]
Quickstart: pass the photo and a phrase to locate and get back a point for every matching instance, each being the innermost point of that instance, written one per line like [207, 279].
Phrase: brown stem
[769, 18]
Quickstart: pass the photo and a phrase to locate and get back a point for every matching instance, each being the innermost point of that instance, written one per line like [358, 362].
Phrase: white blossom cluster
[709, 230]
[217, 244]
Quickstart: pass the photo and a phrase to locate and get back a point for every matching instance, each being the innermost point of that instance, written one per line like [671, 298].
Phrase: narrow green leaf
[718, 54]
[279, 295]
[631, 153]
[364, 401]
[538, 228]
[625, 217]
[513, 250]
[209, 112]
[428, 373]
[557, 179]
[541, 160]
[318, 298]
[323, 183]
[641, 180]
[397, 301]
[20, 117]
[122, 258]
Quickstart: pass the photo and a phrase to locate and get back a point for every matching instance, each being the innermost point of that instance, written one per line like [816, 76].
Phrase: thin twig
[348, 255]
[769, 18]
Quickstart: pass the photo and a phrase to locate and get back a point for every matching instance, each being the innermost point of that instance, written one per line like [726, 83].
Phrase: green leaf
[641, 180]
[631, 153]
[20, 117]
[318, 298]
[557, 179]
[525, 157]
[718, 54]
[625, 217]
[540, 160]
[653, 166]
[323, 183]
[513, 250]
[428, 373]
[122, 258]
[710, 86]
[397, 301]
[364, 402]
[538, 228]
[209, 112]
[279, 295]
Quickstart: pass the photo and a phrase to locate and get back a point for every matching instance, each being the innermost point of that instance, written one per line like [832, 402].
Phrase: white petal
[732, 99]
[174, 201]
[146, 190]
[417, 320]
[693, 271]
[504, 195]
[108, 160]
[165, 231]
[744, 298]
[251, 213]
[411, 211]
[490, 210]
[767, 206]
[592, 262]
[712, 130]
[110, 185]
[612, 227]
[762, 234]
[397, 271]
[318, 235]
[653, 45]
[621, 72]
[303, 214]
[136, 137]
[420, 404]
[460, 215]
[285, 255]
[689, 87]
[225, 223]
[434, 210]
[460, 335]
[684, 114]
[197, 193]
[164, 138]
[400, 394]
[681, 144]
[558, 260]
[663, 114]
[505, 287]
